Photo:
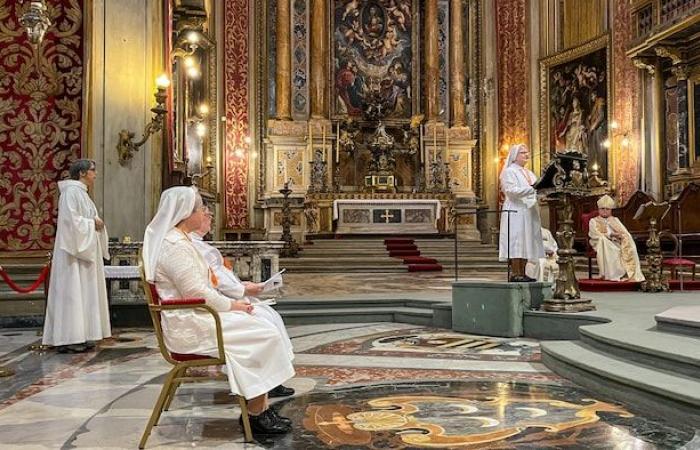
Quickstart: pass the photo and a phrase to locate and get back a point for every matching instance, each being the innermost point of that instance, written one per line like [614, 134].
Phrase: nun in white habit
[257, 355]
[522, 239]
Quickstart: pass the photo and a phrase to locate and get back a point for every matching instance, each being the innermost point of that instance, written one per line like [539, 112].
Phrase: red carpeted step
[424, 267]
[688, 285]
[418, 260]
[404, 253]
[389, 241]
[402, 247]
[596, 285]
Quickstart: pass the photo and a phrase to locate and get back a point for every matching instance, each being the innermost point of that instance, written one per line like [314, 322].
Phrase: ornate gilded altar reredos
[563, 180]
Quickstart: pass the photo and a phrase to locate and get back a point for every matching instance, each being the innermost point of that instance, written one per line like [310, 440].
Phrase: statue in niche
[311, 214]
[349, 131]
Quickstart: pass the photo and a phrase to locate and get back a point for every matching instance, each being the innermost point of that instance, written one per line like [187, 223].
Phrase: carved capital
[644, 64]
[681, 71]
[672, 53]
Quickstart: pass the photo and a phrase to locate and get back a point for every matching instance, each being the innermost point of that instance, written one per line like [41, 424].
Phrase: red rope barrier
[32, 288]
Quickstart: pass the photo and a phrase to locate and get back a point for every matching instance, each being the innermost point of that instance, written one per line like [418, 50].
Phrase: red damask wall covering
[513, 73]
[626, 103]
[236, 148]
[41, 95]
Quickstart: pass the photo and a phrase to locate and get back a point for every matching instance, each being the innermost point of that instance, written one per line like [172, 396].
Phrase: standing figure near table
[616, 253]
[524, 242]
[77, 314]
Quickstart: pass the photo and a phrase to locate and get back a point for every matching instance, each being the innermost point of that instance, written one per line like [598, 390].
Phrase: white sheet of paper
[274, 282]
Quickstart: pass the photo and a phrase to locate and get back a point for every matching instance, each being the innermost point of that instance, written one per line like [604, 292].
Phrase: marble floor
[363, 385]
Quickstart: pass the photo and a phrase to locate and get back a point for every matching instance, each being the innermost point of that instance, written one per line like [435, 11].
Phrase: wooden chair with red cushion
[182, 362]
[590, 252]
[675, 262]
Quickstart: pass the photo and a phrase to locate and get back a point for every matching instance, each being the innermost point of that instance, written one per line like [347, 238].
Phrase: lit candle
[284, 172]
[323, 141]
[435, 142]
[447, 142]
[421, 143]
[337, 143]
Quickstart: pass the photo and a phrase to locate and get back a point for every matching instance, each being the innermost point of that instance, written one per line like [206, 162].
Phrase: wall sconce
[35, 21]
[126, 146]
[625, 142]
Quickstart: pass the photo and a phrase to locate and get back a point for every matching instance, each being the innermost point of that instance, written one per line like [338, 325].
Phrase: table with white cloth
[386, 216]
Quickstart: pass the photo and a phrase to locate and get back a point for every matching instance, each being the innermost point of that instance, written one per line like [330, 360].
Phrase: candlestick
[337, 143]
[284, 172]
[422, 144]
[435, 142]
[323, 141]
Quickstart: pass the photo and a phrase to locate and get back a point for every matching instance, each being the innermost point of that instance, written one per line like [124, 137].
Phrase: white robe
[525, 228]
[617, 260]
[77, 309]
[232, 287]
[257, 357]
[545, 269]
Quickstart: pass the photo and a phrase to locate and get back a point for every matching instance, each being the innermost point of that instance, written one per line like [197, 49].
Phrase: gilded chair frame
[178, 374]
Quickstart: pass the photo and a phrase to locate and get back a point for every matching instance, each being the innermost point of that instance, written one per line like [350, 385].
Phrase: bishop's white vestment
[257, 354]
[617, 257]
[77, 309]
[525, 229]
[545, 269]
[228, 284]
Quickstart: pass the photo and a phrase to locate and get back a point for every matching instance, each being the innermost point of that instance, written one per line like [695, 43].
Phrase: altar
[386, 216]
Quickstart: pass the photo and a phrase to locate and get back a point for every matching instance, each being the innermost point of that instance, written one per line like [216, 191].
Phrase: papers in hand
[274, 282]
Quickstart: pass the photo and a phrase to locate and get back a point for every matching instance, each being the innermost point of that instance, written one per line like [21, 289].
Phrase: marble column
[681, 72]
[457, 68]
[319, 59]
[283, 74]
[432, 65]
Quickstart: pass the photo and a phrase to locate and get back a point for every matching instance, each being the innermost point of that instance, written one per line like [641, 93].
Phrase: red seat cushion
[678, 262]
[585, 219]
[188, 356]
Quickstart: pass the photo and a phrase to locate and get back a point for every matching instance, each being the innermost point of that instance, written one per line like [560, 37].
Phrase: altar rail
[252, 260]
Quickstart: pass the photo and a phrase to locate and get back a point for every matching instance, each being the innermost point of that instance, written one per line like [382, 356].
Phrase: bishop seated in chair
[616, 252]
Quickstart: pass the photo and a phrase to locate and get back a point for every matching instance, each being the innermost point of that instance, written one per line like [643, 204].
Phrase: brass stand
[5, 372]
[291, 248]
[567, 295]
[655, 281]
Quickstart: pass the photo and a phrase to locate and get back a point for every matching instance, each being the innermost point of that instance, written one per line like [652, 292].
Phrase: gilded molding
[669, 52]
[681, 71]
[644, 64]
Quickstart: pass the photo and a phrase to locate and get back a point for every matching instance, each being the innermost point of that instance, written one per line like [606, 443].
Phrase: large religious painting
[373, 55]
[575, 103]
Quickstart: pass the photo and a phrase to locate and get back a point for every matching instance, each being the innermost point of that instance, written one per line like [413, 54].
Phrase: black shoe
[280, 391]
[518, 279]
[267, 423]
[284, 420]
[73, 348]
[90, 344]
[529, 279]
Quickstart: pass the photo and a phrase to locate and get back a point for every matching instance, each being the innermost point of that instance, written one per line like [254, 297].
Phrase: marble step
[652, 348]
[402, 314]
[680, 319]
[642, 387]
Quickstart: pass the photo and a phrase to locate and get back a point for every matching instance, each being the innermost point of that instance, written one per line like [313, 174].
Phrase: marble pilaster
[457, 69]
[284, 61]
[319, 58]
[432, 62]
[681, 72]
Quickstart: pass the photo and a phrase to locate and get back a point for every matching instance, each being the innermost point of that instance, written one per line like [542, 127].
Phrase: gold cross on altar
[386, 216]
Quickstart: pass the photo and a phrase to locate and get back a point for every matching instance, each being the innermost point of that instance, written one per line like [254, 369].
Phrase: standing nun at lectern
[525, 240]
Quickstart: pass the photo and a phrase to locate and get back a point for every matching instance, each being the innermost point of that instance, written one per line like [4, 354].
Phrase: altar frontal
[391, 216]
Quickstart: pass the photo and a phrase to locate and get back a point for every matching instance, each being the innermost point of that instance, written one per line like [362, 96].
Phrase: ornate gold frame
[603, 41]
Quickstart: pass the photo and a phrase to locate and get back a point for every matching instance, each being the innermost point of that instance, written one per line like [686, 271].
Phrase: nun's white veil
[176, 204]
[512, 154]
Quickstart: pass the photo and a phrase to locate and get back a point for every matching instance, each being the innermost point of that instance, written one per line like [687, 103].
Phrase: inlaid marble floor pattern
[370, 385]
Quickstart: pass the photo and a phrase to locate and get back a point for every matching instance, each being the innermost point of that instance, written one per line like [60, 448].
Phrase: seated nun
[258, 356]
[228, 284]
[616, 252]
[545, 269]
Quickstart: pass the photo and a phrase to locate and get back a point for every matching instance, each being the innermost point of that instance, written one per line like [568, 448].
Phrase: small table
[119, 273]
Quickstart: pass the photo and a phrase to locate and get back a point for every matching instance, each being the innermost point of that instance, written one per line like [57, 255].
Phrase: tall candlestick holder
[291, 248]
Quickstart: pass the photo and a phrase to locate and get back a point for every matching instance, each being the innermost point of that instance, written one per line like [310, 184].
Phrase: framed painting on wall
[575, 103]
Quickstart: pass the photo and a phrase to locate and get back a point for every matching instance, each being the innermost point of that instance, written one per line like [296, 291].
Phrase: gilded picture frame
[575, 104]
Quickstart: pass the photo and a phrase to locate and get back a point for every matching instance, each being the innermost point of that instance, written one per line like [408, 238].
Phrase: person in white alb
[616, 252]
[522, 239]
[257, 354]
[545, 269]
[77, 312]
[227, 283]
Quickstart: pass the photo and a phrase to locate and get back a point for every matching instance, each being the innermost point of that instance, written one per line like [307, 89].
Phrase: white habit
[77, 309]
[525, 229]
[617, 258]
[257, 356]
[545, 269]
[231, 286]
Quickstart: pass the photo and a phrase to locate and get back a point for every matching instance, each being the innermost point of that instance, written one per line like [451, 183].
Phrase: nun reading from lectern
[522, 239]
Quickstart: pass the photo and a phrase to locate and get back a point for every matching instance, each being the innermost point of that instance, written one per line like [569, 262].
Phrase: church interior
[485, 212]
